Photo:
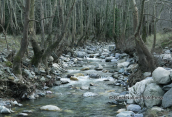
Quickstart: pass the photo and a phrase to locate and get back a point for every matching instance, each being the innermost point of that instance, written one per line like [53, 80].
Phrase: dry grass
[162, 40]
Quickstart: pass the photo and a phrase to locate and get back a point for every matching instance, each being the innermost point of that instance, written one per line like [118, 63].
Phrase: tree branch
[158, 18]
[4, 32]
[40, 19]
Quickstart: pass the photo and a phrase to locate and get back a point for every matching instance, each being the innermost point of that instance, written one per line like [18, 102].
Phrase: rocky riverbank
[96, 71]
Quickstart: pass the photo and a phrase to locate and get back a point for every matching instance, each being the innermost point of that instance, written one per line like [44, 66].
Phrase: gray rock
[1, 72]
[167, 52]
[89, 94]
[5, 110]
[165, 56]
[153, 95]
[50, 59]
[102, 57]
[64, 82]
[85, 88]
[112, 47]
[42, 79]
[167, 100]
[171, 74]
[50, 108]
[121, 71]
[138, 89]
[94, 76]
[28, 73]
[146, 74]
[3, 59]
[113, 102]
[124, 55]
[108, 59]
[98, 67]
[23, 114]
[138, 115]
[90, 52]
[115, 75]
[80, 54]
[134, 108]
[161, 76]
[57, 83]
[125, 114]
[123, 64]
[130, 99]
[167, 87]
[117, 55]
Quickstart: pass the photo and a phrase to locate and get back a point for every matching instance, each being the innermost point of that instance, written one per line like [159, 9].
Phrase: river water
[69, 97]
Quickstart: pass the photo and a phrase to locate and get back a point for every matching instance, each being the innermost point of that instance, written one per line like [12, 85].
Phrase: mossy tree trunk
[24, 42]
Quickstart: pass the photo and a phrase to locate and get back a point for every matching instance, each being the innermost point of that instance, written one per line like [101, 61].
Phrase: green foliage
[162, 40]
[8, 64]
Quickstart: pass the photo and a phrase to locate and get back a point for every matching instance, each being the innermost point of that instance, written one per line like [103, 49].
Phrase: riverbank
[84, 83]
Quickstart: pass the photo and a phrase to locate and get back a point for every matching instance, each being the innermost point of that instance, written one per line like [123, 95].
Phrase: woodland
[65, 24]
[52, 28]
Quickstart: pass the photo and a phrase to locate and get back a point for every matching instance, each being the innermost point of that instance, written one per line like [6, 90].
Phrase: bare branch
[158, 18]
[40, 19]
[4, 32]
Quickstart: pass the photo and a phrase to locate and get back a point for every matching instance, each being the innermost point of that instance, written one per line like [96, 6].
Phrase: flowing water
[69, 97]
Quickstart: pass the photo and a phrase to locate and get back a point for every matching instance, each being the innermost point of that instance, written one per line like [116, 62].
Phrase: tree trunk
[24, 42]
[32, 16]
[154, 41]
[42, 25]
[146, 60]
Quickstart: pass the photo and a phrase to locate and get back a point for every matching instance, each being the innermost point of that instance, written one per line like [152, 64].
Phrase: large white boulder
[136, 91]
[153, 95]
[161, 76]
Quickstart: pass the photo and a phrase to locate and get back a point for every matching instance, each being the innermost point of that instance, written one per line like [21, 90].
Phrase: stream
[69, 97]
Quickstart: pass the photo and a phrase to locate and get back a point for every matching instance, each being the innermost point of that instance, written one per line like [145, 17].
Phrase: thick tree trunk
[24, 42]
[37, 53]
[146, 60]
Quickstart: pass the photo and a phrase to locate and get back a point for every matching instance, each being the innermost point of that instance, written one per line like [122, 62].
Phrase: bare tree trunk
[32, 16]
[24, 42]
[154, 41]
[81, 18]
[146, 60]
[55, 45]
[53, 13]
[114, 20]
[42, 25]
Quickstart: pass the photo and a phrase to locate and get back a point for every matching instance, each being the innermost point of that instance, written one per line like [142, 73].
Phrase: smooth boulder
[153, 95]
[167, 100]
[125, 114]
[161, 76]
[50, 108]
[138, 89]
[133, 107]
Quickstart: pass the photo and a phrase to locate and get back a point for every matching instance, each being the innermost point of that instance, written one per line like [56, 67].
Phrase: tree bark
[146, 60]
[24, 42]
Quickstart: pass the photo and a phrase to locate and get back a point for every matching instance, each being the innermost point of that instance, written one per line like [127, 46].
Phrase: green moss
[166, 43]
[8, 64]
